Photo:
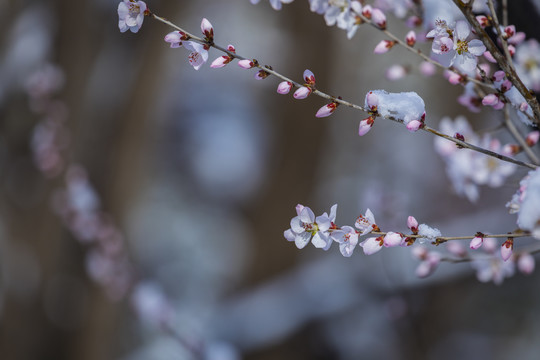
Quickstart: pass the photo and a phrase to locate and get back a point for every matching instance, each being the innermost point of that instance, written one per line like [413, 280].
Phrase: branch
[339, 100]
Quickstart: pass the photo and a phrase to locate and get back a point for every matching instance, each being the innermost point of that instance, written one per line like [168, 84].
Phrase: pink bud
[261, 75]
[490, 100]
[246, 64]
[302, 92]
[413, 21]
[512, 50]
[498, 75]
[523, 106]
[510, 149]
[526, 263]
[284, 87]
[507, 248]
[372, 100]
[231, 48]
[412, 224]
[366, 11]
[365, 126]
[384, 46]
[410, 38]
[207, 29]
[489, 57]
[532, 138]
[482, 20]
[392, 239]
[414, 125]
[220, 62]
[378, 18]
[485, 67]
[506, 85]
[371, 245]
[309, 77]
[326, 110]
[476, 242]
[509, 31]
[454, 78]
[427, 68]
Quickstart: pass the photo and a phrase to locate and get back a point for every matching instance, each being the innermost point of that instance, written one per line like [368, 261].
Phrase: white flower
[466, 51]
[493, 269]
[131, 15]
[366, 223]
[347, 238]
[198, 55]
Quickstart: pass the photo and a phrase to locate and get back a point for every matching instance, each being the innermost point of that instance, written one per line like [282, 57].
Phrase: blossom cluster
[468, 169]
[494, 262]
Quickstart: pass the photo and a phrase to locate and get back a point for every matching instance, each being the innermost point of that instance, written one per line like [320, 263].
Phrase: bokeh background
[201, 171]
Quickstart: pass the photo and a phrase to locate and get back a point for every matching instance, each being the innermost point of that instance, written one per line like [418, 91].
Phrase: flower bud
[507, 249]
[412, 224]
[284, 87]
[365, 126]
[532, 138]
[302, 92]
[326, 110]
[246, 64]
[207, 29]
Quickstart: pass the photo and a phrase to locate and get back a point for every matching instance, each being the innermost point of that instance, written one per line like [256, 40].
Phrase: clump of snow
[404, 106]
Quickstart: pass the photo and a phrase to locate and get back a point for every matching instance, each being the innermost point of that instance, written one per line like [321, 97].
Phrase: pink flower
[284, 87]
[131, 15]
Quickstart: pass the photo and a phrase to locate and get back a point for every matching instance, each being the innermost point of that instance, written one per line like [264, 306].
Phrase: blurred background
[189, 178]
